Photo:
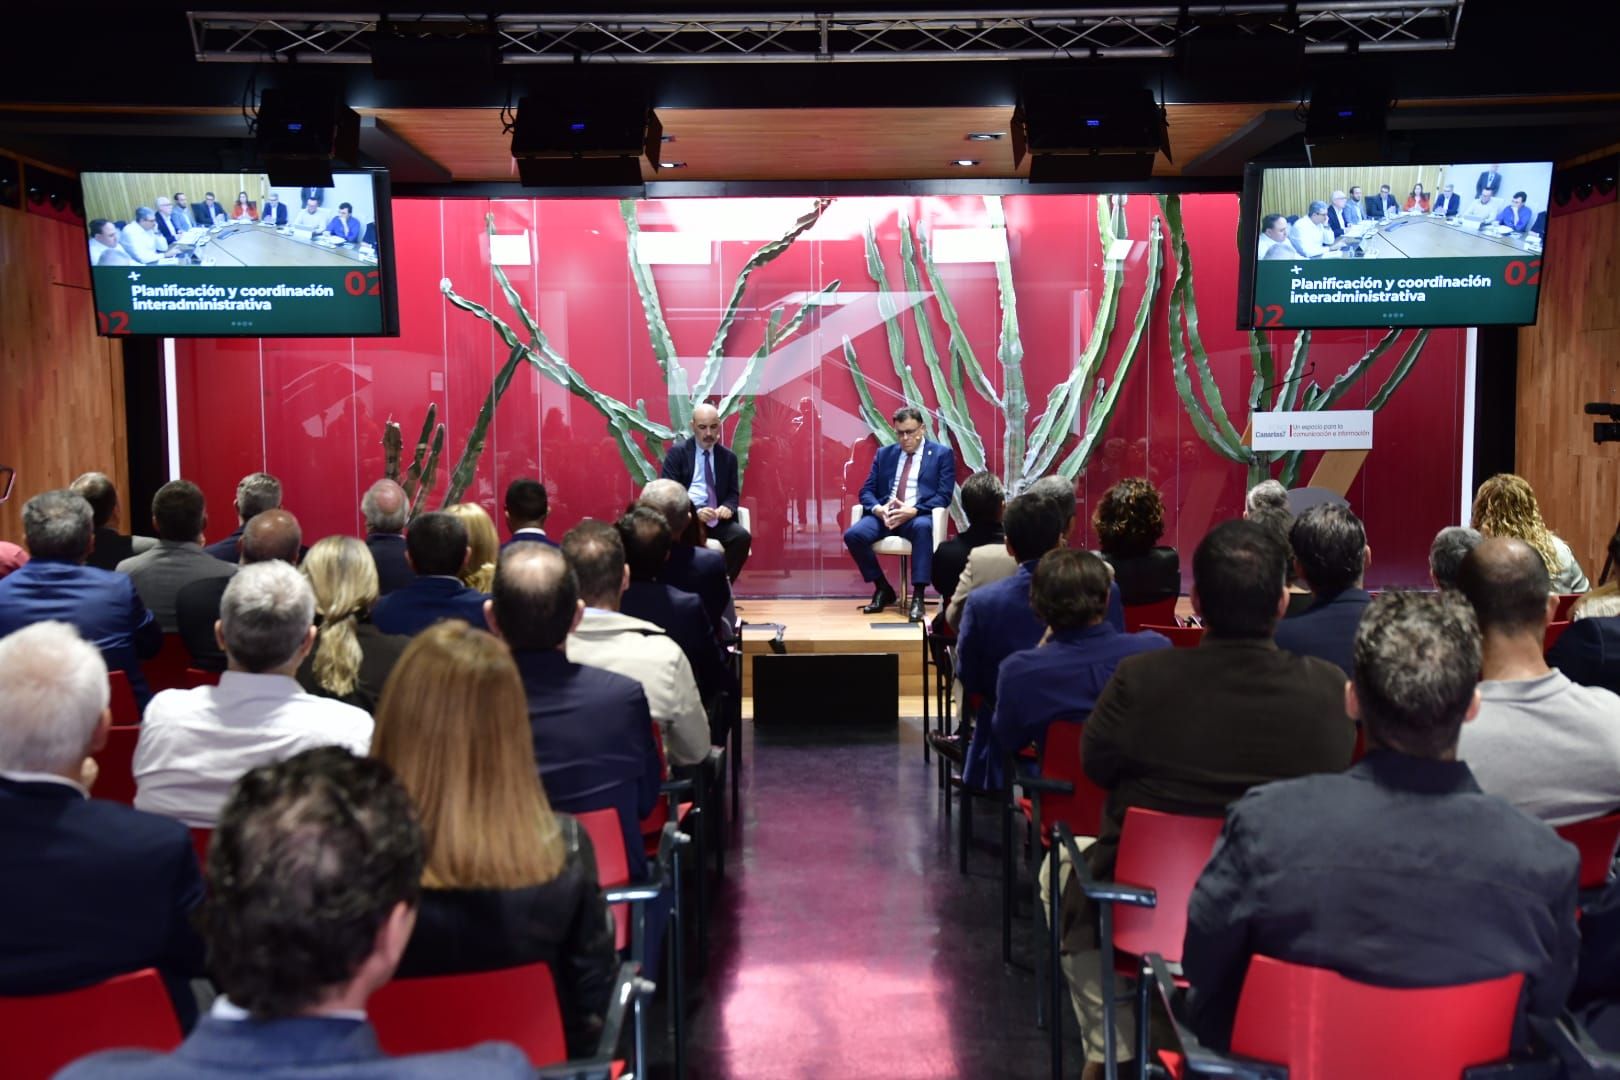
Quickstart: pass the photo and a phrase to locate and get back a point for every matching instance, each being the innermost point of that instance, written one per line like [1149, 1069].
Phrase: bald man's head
[706, 426]
[669, 498]
[1507, 582]
[384, 507]
[535, 597]
[273, 534]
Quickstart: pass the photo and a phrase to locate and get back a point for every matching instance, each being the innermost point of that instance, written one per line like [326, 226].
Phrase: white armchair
[743, 518]
[895, 545]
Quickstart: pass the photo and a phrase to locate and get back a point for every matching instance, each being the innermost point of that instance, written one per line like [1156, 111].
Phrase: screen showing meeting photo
[1414, 245]
[230, 253]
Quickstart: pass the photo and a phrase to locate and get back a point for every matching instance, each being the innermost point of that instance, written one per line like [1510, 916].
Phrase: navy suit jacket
[332, 1048]
[682, 460]
[95, 890]
[275, 215]
[1326, 629]
[936, 477]
[531, 536]
[428, 600]
[388, 552]
[681, 616]
[229, 549]
[702, 573]
[202, 216]
[101, 604]
[593, 742]
[1588, 652]
[1449, 205]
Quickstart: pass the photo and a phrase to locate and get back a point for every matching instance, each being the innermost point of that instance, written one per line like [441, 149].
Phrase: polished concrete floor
[844, 943]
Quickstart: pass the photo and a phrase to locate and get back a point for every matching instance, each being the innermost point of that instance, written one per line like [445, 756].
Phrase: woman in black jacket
[351, 658]
[1129, 521]
[506, 881]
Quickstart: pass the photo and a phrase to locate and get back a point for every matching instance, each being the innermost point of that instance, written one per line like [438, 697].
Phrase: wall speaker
[301, 132]
[596, 134]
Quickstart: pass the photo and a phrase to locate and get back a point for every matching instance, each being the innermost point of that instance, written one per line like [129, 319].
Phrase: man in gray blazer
[179, 516]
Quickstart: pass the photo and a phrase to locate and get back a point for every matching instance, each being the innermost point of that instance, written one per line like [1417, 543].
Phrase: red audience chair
[1555, 630]
[1319, 1025]
[1158, 613]
[41, 1034]
[1596, 839]
[447, 1012]
[612, 865]
[1565, 602]
[195, 677]
[199, 843]
[116, 781]
[125, 711]
[1181, 637]
[690, 820]
[167, 670]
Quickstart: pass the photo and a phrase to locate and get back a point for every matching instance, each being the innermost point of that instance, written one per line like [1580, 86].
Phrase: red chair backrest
[612, 864]
[1555, 630]
[1061, 760]
[199, 843]
[1565, 602]
[125, 711]
[448, 1012]
[1181, 637]
[1324, 1026]
[41, 1034]
[116, 781]
[1158, 613]
[652, 826]
[195, 677]
[1597, 840]
[1167, 852]
[167, 670]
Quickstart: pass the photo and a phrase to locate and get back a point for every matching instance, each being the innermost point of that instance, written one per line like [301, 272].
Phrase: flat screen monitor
[229, 254]
[1393, 245]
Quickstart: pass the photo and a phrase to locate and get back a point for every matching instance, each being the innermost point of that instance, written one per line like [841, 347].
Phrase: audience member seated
[1062, 677]
[990, 563]
[692, 569]
[437, 549]
[195, 743]
[1505, 505]
[527, 507]
[141, 240]
[255, 493]
[1129, 522]
[273, 534]
[12, 557]
[506, 881]
[1545, 744]
[982, 501]
[55, 584]
[646, 539]
[384, 507]
[179, 516]
[1267, 506]
[95, 889]
[1516, 215]
[592, 729]
[1188, 731]
[484, 546]
[608, 639]
[352, 658]
[1595, 1001]
[315, 876]
[111, 547]
[1331, 555]
[1451, 545]
[1588, 651]
[1399, 872]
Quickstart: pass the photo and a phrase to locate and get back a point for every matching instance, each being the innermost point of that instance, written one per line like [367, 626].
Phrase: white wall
[1533, 178]
[352, 188]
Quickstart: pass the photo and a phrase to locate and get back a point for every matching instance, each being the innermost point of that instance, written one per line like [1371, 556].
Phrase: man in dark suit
[527, 508]
[907, 482]
[1376, 873]
[255, 493]
[708, 471]
[1448, 203]
[982, 502]
[1331, 554]
[1383, 204]
[1588, 652]
[209, 213]
[1336, 213]
[274, 534]
[438, 550]
[55, 584]
[316, 876]
[592, 729]
[274, 211]
[384, 508]
[97, 889]
[111, 546]
[692, 569]
[1490, 180]
[1188, 731]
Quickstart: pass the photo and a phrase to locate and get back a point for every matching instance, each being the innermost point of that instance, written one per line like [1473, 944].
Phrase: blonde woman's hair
[344, 576]
[1506, 506]
[1601, 603]
[453, 723]
[484, 544]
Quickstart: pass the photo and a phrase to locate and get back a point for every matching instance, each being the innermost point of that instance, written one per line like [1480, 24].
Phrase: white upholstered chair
[743, 519]
[895, 545]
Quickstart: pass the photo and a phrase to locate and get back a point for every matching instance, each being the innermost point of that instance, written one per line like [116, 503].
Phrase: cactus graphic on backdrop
[1026, 455]
[1210, 418]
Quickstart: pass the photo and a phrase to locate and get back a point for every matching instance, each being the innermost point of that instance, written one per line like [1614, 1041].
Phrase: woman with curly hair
[1129, 521]
[1506, 506]
[484, 545]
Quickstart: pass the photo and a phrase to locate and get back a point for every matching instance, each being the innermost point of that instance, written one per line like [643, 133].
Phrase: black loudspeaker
[827, 691]
[1076, 134]
[301, 132]
[597, 133]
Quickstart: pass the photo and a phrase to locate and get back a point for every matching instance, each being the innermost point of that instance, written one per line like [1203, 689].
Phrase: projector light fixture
[985, 136]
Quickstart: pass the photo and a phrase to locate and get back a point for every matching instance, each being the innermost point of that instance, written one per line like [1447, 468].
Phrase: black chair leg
[965, 829]
[1007, 811]
[1054, 966]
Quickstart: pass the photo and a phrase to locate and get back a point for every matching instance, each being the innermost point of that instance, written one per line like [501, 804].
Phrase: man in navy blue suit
[593, 736]
[383, 506]
[316, 871]
[1448, 203]
[55, 584]
[708, 471]
[437, 549]
[527, 508]
[1330, 549]
[692, 569]
[255, 493]
[274, 211]
[908, 481]
[96, 889]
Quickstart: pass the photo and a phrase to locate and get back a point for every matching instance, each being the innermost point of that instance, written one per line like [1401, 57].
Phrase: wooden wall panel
[62, 400]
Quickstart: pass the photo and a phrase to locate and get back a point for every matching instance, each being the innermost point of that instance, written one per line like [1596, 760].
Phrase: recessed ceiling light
[985, 136]
[672, 164]
[964, 163]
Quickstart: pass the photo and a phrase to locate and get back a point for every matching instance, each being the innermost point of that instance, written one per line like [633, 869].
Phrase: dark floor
[845, 944]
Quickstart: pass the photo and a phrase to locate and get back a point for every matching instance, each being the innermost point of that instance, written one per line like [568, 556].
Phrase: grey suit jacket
[160, 574]
[986, 563]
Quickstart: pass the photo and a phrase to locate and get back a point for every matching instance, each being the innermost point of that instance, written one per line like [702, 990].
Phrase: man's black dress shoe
[952, 748]
[882, 597]
[916, 612]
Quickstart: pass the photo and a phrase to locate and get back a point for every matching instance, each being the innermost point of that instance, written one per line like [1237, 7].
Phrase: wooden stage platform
[835, 626]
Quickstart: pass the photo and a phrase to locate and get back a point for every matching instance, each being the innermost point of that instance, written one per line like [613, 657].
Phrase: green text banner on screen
[316, 301]
[1388, 292]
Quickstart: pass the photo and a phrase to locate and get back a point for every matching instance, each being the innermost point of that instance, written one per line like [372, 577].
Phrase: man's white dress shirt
[908, 497]
[306, 220]
[145, 245]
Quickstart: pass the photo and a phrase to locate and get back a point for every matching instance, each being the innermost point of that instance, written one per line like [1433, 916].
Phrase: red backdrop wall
[312, 411]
